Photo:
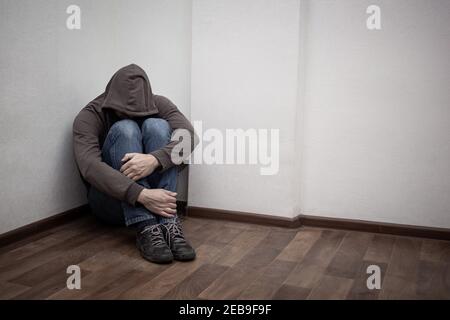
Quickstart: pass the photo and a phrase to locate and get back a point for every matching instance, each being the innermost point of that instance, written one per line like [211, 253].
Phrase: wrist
[154, 162]
[141, 196]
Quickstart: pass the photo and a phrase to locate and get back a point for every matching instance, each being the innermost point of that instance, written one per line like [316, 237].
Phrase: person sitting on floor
[122, 147]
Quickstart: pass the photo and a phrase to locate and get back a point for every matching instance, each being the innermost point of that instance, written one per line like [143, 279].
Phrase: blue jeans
[129, 136]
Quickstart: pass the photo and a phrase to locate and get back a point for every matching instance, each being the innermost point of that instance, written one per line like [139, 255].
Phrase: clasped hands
[159, 201]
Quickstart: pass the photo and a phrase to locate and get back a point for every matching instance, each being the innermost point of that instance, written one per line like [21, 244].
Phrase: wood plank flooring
[235, 261]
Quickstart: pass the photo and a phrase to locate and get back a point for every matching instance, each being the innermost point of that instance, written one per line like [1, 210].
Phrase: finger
[136, 177]
[130, 176]
[170, 211]
[171, 193]
[139, 176]
[172, 205]
[167, 215]
[126, 166]
[161, 208]
[129, 171]
[128, 156]
[170, 199]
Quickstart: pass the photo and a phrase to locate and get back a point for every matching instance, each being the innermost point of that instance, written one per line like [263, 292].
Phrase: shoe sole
[184, 257]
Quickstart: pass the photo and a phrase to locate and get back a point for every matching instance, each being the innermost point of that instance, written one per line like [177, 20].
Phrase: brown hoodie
[128, 92]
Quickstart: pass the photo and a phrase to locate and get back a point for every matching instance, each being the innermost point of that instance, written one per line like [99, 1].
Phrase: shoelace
[156, 236]
[174, 232]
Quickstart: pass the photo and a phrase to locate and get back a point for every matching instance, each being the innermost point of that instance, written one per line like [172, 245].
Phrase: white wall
[49, 73]
[376, 141]
[367, 136]
[244, 75]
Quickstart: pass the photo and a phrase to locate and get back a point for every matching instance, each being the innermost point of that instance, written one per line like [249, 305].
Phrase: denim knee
[127, 128]
[156, 128]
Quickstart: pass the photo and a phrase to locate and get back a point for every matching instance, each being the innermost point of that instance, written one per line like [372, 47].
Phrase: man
[122, 146]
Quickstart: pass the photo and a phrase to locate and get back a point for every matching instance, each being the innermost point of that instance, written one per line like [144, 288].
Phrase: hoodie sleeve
[169, 112]
[86, 131]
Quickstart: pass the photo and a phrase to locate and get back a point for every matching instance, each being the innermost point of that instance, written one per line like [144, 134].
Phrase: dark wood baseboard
[42, 225]
[219, 214]
[322, 222]
[376, 227]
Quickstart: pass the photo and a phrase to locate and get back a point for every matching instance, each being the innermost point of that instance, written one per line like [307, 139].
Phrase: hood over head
[129, 92]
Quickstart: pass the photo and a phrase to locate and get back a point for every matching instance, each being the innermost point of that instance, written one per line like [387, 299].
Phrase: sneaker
[181, 249]
[152, 245]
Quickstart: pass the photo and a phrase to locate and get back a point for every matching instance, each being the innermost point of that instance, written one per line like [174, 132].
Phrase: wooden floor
[235, 261]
